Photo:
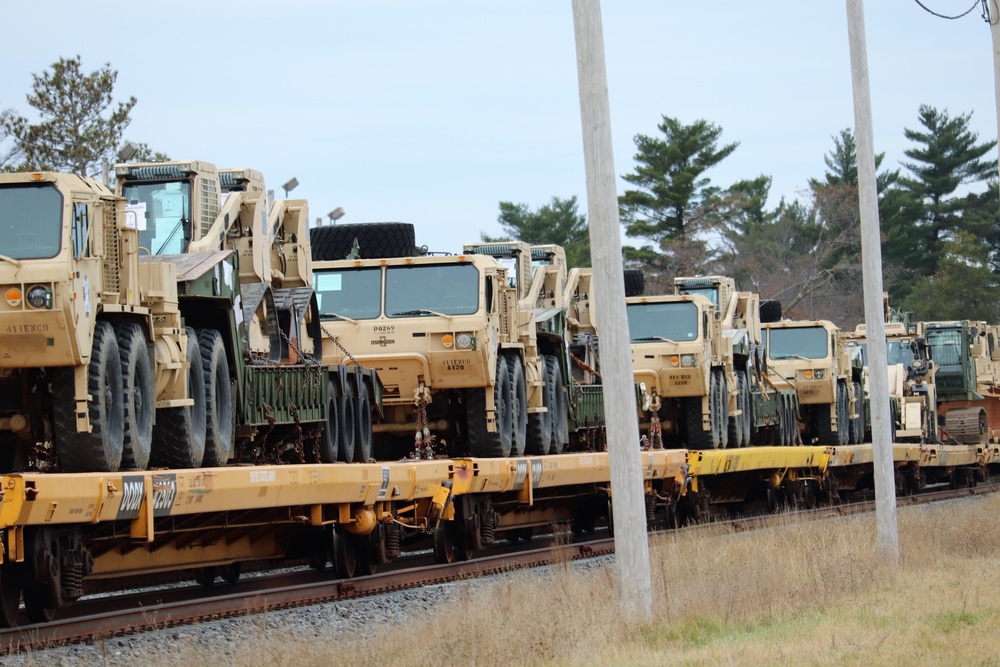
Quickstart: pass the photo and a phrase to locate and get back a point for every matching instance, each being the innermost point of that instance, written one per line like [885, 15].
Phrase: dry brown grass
[794, 593]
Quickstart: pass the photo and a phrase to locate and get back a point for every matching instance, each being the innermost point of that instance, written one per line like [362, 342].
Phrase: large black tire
[770, 311]
[375, 240]
[635, 282]
[345, 408]
[859, 423]
[698, 437]
[747, 411]
[538, 438]
[101, 449]
[843, 414]
[721, 421]
[329, 442]
[822, 424]
[179, 436]
[737, 423]
[482, 442]
[519, 406]
[220, 420]
[560, 416]
[362, 425]
[140, 400]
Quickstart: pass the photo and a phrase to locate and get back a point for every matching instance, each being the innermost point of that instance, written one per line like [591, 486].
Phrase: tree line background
[939, 209]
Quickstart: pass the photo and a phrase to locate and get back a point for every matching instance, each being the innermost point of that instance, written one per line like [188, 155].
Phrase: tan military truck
[90, 342]
[697, 355]
[912, 392]
[441, 331]
[812, 358]
[245, 292]
[966, 355]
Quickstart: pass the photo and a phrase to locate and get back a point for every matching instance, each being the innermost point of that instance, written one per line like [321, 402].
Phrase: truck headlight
[689, 361]
[465, 341]
[818, 374]
[40, 296]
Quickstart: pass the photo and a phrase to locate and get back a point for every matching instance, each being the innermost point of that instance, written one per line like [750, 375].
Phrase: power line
[942, 16]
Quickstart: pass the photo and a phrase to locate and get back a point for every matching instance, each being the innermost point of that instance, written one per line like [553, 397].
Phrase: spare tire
[375, 240]
[635, 282]
[770, 311]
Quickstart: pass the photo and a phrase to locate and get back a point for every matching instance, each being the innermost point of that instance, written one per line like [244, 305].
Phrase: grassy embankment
[796, 593]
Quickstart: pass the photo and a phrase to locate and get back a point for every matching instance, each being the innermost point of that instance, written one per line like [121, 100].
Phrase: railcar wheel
[37, 605]
[329, 442]
[220, 420]
[444, 543]
[344, 550]
[345, 408]
[100, 450]
[560, 418]
[139, 400]
[206, 576]
[231, 573]
[363, 426]
[179, 436]
[10, 594]
[519, 405]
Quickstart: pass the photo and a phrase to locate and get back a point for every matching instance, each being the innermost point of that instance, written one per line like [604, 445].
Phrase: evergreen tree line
[939, 211]
[939, 216]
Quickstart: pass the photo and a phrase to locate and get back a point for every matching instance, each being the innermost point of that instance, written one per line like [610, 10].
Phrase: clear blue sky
[433, 112]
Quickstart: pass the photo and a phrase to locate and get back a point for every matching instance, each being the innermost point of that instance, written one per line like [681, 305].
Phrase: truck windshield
[673, 321]
[163, 215]
[418, 291]
[710, 293]
[798, 342]
[30, 221]
[897, 352]
[946, 349]
[349, 294]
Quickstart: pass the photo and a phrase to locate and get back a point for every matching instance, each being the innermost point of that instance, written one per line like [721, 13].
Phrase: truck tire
[101, 449]
[375, 240]
[140, 401]
[329, 442]
[698, 437]
[519, 406]
[345, 408]
[220, 420]
[737, 423]
[560, 417]
[859, 423]
[635, 282]
[538, 437]
[822, 416]
[179, 436]
[721, 422]
[362, 425]
[482, 442]
[770, 311]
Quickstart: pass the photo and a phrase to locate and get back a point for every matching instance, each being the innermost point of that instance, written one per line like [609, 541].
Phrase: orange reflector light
[447, 340]
[36, 177]
[675, 360]
[13, 296]
[809, 375]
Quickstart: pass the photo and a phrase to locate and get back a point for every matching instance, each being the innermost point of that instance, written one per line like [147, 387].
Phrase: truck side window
[80, 226]
[489, 294]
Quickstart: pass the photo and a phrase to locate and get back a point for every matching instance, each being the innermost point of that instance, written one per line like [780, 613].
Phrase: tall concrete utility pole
[993, 16]
[629, 514]
[871, 269]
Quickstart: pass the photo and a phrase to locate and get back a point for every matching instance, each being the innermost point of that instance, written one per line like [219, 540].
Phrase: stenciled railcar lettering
[164, 493]
[384, 488]
[536, 473]
[133, 491]
[521, 473]
[263, 476]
